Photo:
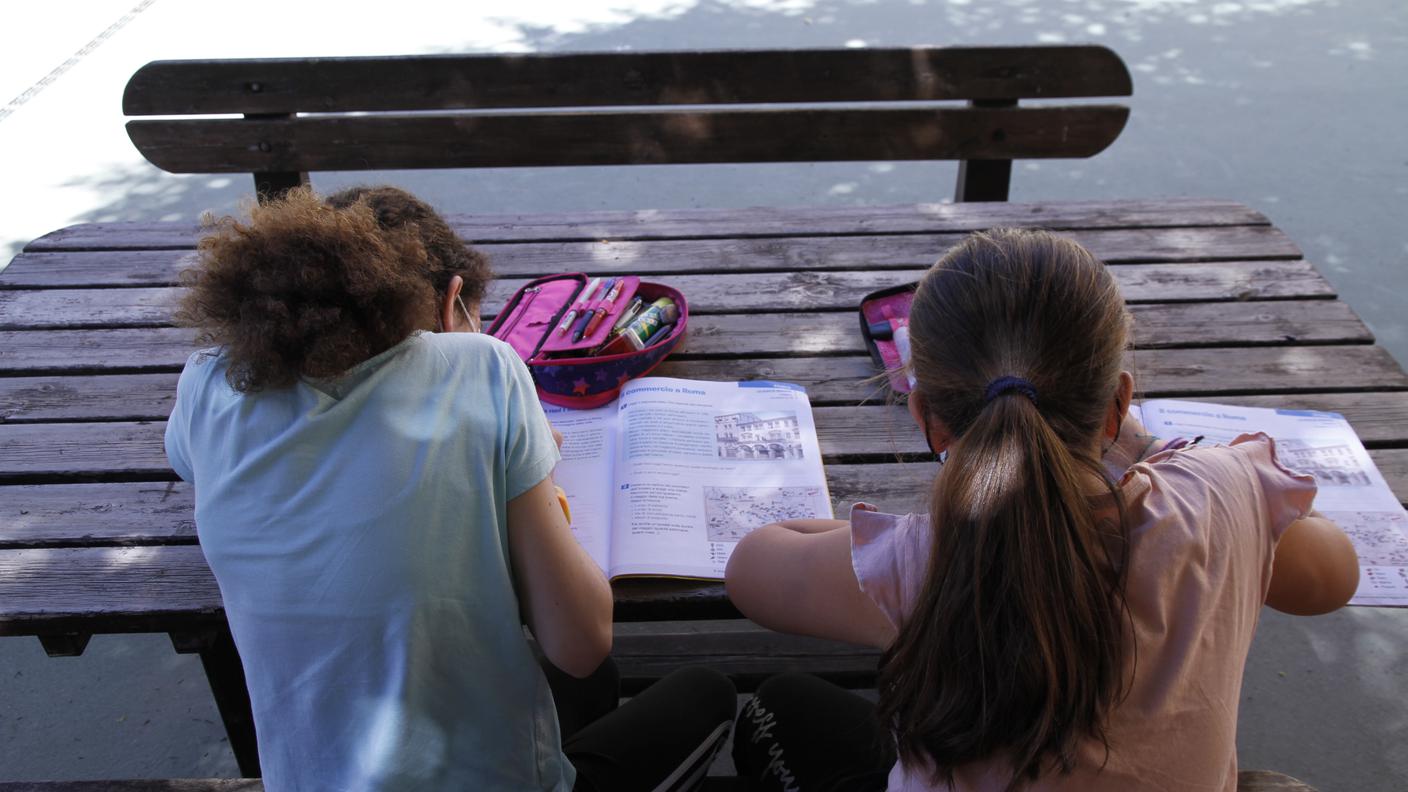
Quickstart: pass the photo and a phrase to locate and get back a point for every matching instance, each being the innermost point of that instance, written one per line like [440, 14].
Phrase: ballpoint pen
[581, 301]
[580, 330]
[602, 310]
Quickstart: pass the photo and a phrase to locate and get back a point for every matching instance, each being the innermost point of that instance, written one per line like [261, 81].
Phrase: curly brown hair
[395, 208]
[311, 288]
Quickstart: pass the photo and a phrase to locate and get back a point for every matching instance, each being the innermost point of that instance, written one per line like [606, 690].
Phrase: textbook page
[588, 450]
[700, 464]
[1352, 492]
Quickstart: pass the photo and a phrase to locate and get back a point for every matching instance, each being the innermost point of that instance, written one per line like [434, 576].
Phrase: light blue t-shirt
[358, 531]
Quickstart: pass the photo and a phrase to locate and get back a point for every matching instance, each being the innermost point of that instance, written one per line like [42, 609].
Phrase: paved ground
[1295, 107]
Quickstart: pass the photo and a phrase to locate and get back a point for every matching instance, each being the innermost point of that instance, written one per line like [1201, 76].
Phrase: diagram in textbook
[732, 512]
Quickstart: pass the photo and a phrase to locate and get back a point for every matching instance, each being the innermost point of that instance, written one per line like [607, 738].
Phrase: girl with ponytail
[1074, 609]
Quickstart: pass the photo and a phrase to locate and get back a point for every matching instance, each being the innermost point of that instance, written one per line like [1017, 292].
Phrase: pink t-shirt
[1203, 526]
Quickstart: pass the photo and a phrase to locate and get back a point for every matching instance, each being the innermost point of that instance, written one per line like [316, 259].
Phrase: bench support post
[225, 673]
[984, 180]
[271, 185]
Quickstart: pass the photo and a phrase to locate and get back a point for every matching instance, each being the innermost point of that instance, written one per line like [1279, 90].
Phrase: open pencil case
[569, 371]
[884, 326]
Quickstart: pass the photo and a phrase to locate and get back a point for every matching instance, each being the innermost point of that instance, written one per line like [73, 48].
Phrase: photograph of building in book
[748, 435]
[1335, 464]
[730, 513]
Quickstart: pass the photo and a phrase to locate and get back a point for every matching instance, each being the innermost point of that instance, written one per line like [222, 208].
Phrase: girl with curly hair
[373, 494]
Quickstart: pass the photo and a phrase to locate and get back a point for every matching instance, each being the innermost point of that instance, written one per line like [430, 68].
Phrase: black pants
[665, 738]
[804, 734]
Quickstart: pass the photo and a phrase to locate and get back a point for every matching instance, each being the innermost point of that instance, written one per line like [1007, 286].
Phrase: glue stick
[902, 346]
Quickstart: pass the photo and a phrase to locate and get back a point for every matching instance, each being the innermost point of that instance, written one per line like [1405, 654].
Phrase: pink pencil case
[564, 373]
[882, 313]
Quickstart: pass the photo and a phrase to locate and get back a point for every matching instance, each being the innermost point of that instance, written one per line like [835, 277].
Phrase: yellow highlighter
[562, 501]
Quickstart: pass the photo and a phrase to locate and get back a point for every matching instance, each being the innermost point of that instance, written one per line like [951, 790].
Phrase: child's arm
[1315, 570]
[797, 577]
[563, 596]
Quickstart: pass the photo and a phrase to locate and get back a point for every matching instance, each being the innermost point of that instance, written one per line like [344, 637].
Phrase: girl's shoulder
[1245, 470]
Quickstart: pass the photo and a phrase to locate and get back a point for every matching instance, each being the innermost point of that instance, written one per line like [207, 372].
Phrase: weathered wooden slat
[774, 296]
[130, 397]
[770, 221]
[1213, 373]
[88, 450]
[790, 254]
[111, 589]
[467, 140]
[89, 269]
[742, 650]
[70, 308]
[1245, 323]
[774, 292]
[763, 221]
[1205, 373]
[1162, 372]
[57, 515]
[63, 351]
[714, 293]
[1221, 280]
[439, 82]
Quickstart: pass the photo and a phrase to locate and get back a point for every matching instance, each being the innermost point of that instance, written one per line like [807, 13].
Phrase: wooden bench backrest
[472, 111]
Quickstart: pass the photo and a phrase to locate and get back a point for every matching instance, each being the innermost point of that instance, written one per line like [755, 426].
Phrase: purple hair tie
[1002, 385]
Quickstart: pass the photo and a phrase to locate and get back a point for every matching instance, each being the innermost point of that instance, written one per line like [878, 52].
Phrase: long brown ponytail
[1015, 650]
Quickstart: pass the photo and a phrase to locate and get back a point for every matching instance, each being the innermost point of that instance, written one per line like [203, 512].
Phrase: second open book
[1352, 491]
[665, 480]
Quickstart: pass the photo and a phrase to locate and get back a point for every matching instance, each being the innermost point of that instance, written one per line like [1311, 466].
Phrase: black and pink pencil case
[884, 325]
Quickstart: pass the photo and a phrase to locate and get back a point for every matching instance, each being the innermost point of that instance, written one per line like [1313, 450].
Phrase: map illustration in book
[668, 478]
[1352, 492]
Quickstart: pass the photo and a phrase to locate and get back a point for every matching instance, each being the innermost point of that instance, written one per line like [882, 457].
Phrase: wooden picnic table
[97, 533]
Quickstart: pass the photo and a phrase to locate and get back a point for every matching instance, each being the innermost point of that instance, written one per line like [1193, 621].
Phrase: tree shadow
[1323, 698]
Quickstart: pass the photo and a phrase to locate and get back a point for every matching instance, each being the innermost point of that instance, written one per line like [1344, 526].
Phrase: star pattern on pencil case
[582, 381]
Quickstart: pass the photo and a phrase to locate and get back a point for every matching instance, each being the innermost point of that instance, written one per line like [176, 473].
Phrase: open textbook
[1352, 491]
[665, 480]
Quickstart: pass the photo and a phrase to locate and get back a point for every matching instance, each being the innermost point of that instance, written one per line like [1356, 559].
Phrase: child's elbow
[584, 655]
[739, 575]
[1341, 586]
[1320, 579]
